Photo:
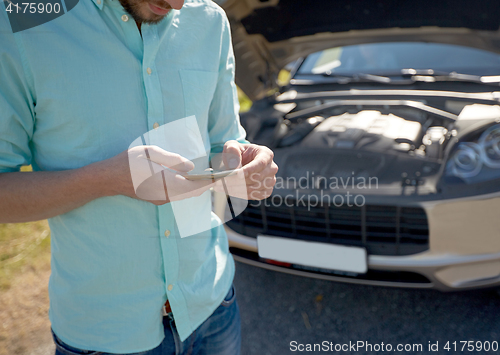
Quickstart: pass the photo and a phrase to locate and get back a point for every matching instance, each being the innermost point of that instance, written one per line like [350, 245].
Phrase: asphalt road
[277, 309]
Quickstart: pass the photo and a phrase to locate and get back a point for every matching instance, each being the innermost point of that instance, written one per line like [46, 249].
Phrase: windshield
[385, 58]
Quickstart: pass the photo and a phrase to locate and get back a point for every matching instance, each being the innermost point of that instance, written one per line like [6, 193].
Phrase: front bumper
[464, 251]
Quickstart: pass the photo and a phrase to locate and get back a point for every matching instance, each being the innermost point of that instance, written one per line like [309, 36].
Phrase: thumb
[231, 155]
[170, 160]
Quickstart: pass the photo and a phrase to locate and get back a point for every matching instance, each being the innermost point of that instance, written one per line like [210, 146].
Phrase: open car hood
[269, 34]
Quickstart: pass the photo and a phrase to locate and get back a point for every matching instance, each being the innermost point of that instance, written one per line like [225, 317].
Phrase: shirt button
[167, 233]
[170, 287]
[156, 125]
[98, 2]
[124, 18]
[149, 71]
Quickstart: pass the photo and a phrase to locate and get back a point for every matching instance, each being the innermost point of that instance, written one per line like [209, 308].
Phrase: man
[75, 92]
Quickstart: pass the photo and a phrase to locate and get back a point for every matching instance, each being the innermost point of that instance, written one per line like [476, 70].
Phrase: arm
[39, 195]
[228, 136]
[223, 117]
[33, 196]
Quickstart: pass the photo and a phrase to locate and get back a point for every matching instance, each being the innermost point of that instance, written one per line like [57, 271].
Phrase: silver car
[387, 135]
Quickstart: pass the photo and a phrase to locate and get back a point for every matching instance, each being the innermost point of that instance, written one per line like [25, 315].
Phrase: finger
[167, 185]
[263, 158]
[261, 188]
[180, 183]
[171, 160]
[179, 188]
[232, 154]
[264, 176]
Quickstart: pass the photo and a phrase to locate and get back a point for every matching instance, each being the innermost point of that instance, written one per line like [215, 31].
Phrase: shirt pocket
[198, 87]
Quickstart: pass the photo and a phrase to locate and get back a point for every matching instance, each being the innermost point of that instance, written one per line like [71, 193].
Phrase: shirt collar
[99, 3]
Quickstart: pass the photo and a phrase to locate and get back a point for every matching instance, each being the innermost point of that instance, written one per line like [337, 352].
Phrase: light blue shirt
[81, 89]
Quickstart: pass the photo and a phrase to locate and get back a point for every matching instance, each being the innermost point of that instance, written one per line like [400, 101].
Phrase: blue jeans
[220, 334]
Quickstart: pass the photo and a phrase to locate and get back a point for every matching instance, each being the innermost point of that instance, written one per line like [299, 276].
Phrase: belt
[166, 308]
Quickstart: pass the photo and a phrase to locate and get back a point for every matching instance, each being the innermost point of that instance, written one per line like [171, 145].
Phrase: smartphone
[209, 175]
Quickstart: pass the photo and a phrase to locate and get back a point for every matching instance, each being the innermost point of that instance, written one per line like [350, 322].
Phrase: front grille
[382, 230]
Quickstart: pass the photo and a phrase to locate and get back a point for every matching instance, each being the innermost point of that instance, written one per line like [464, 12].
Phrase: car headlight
[477, 161]
[490, 146]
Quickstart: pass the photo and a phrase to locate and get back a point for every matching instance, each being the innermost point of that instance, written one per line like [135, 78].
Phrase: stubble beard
[133, 7]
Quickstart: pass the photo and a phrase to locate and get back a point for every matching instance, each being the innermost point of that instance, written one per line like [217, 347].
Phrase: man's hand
[141, 173]
[45, 194]
[257, 165]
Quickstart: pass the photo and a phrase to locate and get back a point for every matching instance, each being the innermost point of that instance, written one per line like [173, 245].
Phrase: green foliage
[245, 102]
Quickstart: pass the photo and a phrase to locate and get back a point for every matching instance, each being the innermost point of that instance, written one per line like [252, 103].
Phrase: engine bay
[404, 143]
[402, 129]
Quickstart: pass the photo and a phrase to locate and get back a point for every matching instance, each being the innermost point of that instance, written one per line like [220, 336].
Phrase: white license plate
[321, 255]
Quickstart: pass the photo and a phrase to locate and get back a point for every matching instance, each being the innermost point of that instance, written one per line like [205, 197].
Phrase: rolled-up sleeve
[16, 103]
[224, 122]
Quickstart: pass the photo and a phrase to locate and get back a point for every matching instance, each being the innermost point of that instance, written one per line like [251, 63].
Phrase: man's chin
[152, 17]
[153, 20]
[141, 12]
